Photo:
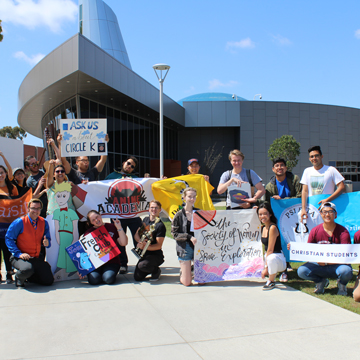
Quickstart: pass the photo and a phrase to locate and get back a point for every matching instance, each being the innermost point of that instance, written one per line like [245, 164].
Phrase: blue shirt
[283, 188]
[15, 229]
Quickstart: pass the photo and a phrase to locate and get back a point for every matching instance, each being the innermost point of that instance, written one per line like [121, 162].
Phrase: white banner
[122, 198]
[325, 253]
[228, 245]
[84, 137]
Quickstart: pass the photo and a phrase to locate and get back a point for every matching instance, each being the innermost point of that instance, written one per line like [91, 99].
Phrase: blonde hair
[236, 153]
[186, 190]
[64, 186]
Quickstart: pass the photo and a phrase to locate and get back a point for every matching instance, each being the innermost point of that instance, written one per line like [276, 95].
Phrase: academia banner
[121, 198]
[84, 137]
[287, 211]
[228, 245]
[325, 253]
[169, 193]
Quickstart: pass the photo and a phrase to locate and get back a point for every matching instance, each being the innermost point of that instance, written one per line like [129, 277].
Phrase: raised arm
[101, 163]
[65, 163]
[10, 174]
[50, 175]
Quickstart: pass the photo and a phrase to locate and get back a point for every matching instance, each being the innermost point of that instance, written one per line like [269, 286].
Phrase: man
[284, 185]
[133, 224]
[24, 239]
[327, 233]
[319, 179]
[239, 175]
[149, 263]
[83, 174]
[194, 168]
[36, 179]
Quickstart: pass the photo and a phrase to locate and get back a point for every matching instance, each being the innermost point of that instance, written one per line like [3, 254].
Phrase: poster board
[238, 193]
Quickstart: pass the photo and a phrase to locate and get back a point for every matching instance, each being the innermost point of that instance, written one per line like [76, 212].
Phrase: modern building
[90, 76]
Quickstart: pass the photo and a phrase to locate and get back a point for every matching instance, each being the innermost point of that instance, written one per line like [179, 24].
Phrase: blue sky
[300, 51]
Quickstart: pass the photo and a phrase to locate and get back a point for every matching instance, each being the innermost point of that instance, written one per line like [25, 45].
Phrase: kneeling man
[24, 239]
[149, 263]
[327, 233]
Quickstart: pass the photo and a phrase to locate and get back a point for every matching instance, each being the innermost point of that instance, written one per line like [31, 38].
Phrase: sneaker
[269, 285]
[289, 268]
[9, 278]
[18, 283]
[342, 289]
[320, 286]
[283, 277]
[123, 269]
[156, 276]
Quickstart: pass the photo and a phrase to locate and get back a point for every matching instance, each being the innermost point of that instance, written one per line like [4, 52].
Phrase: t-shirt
[321, 181]
[242, 176]
[32, 182]
[77, 176]
[319, 236]
[5, 191]
[283, 188]
[357, 237]
[159, 232]
[119, 175]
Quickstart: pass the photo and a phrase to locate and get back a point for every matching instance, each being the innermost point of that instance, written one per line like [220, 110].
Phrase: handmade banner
[228, 245]
[121, 198]
[326, 253]
[287, 212]
[85, 137]
[11, 208]
[169, 193]
[93, 251]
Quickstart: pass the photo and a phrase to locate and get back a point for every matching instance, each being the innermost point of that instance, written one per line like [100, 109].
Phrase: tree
[1, 35]
[287, 148]
[13, 133]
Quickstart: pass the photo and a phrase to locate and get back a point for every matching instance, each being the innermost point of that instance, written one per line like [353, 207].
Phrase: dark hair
[279, 160]
[267, 207]
[59, 165]
[8, 183]
[26, 161]
[134, 159]
[88, 223]
[315, 148]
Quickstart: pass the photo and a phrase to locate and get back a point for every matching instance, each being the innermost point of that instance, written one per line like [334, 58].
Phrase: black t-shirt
[160, 231]
[77, 177]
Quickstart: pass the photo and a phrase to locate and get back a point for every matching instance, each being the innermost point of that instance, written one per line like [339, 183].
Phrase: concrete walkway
[165, 320]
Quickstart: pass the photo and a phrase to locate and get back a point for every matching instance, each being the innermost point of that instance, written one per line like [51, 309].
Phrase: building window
[350, 170]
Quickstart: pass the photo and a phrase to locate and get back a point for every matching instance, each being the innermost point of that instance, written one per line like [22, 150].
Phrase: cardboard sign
[83, 137]
[238, 193]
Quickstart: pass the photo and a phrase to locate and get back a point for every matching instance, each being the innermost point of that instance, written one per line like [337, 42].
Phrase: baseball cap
[328, 204]
[193, 160]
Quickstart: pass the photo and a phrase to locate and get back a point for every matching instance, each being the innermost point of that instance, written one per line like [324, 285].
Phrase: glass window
[84, 108]
[94, 114]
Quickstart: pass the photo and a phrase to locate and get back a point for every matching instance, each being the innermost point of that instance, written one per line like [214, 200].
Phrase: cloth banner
[85, 137]
[228, 245]
[92, 251]
[11, 208]
[121, 198]
[169, 193]
[326, 253]
[287, 212]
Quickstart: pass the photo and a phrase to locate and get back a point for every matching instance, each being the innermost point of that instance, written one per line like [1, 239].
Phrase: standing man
[239, 175]
[319, 179]
[327, 233]
[134, 223]
[24, 239]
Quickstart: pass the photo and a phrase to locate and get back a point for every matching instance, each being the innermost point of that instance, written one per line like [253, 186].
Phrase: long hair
[8, 183]
[267, 206]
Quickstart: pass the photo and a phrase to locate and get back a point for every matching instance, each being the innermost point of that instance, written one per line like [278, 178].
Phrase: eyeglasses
[59, 171]
[35, 209]
[130, 164]
[34, 164]
[328, 212]
[84, 160]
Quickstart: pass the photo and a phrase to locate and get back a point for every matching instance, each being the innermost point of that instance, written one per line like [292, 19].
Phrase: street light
[159, 68]
[259, 95]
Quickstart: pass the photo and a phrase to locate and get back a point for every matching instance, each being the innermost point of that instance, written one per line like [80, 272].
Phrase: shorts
[189, 253]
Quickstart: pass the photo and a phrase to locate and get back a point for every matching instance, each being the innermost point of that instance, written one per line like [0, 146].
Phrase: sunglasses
[34, 164]
[59, 171]
[130, 164]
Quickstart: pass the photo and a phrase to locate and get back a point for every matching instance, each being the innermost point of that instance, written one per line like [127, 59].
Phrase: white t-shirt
[321, 181]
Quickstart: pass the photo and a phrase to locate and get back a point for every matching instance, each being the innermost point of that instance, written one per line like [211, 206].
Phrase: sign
[325, 253]
[92, 251]
[83, 137]
[238, 193]
[228, 245]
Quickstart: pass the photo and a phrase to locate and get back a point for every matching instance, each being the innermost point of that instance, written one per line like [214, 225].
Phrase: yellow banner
[169, 193]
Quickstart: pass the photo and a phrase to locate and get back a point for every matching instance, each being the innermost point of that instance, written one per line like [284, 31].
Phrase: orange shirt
[4, 191]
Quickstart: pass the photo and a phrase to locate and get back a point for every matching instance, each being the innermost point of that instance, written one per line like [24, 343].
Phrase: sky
[296, 51]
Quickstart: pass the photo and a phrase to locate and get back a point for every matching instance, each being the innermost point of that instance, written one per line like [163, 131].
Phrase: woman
[107, 272]
[19, 180]
[274, 258]
[194, 168]
[185, 240]
[6, 189]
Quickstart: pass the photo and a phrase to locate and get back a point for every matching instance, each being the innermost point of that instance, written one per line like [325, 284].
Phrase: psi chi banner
[228, 245]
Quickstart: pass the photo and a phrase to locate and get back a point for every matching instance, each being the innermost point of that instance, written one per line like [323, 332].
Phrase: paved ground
[165, 320]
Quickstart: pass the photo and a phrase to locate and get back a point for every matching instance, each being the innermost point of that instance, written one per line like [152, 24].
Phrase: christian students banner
[287, 212]
[228, 245]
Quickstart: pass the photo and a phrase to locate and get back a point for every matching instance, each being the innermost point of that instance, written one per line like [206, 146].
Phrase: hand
[45, 242]
[80, 276]
[117, 224]
[52, 161]
[276, 197]
[321, 202]
[42, 181]
[141, 245]
[163, 177]
[24, 256]
[288, 246]
[206, 177]
[245, 205]
[250, 200]
[50, 141]
[193, 240]
[59, 138]
[303, 214]
[237, 181]
[264, 273]
[107, 138]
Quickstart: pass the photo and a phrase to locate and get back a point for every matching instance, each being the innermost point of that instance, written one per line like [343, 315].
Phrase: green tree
[287, 148]
[1, 35]
[13, 133]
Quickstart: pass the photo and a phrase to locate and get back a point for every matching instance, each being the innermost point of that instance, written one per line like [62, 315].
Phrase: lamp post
[259, 95]
[159, 68]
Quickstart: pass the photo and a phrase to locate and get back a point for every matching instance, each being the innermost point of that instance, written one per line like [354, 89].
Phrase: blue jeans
[105, 273]
[316, 273]
[189, 253]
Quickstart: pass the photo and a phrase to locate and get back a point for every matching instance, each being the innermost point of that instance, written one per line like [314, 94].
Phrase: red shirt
[319, 236]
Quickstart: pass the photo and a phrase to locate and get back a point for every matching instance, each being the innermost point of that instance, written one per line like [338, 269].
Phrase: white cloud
[357, 33]
[242, 44]
[32, 14]
[281, 40]
[215, 84]
[32, 60]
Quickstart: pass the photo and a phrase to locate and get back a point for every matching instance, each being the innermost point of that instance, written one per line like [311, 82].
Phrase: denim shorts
[189, 253]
